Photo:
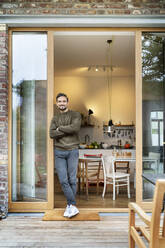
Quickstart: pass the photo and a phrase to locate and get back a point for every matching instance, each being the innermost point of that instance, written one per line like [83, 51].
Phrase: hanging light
[90, 112]
[109, 82]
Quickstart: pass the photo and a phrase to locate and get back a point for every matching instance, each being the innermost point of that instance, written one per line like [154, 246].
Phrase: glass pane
[153, 92]
[29, 117]
[160, 115]
[154, 133]
[161, 133]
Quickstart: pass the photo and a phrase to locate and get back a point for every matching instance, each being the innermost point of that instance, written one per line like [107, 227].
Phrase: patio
[28, 230]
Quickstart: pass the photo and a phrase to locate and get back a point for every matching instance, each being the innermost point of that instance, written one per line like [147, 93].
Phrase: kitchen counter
[105, 151]
[117, 148]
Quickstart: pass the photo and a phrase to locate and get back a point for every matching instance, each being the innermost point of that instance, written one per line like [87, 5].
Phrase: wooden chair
[89, 172]
[153, 232]
[122, 166]
[117, 179]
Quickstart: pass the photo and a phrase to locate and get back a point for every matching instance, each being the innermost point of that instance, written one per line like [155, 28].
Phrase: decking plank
[29, 231]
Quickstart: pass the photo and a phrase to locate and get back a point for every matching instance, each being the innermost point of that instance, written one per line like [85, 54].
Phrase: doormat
[84, 215]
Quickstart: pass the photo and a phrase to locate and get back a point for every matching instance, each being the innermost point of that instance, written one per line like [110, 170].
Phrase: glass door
[153, 107]
[30, 121]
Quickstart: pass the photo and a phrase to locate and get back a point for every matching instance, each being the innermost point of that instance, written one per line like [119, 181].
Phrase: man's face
[62, 103]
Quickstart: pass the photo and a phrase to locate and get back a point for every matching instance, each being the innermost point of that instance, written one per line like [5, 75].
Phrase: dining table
[152, 178]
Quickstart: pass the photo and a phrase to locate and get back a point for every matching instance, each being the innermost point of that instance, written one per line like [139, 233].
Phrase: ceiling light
[100, 68]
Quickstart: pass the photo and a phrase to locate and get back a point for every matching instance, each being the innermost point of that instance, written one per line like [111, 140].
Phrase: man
[64, 130]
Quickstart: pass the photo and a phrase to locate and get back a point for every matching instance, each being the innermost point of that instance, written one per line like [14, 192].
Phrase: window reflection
[29, 116]
[157, 128]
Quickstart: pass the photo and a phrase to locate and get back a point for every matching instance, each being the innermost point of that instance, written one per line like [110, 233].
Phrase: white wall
[85, 93]
[92, 92]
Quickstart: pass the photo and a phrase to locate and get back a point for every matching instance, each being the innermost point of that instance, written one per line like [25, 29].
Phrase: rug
[84, 215]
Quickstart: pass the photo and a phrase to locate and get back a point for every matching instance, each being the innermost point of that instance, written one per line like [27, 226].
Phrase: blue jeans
[66, 163]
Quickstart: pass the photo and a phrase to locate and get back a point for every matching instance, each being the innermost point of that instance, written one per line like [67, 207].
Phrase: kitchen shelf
[122, 126]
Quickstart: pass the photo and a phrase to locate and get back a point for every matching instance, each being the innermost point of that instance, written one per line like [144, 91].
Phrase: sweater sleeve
[53, 132]
[74, 127]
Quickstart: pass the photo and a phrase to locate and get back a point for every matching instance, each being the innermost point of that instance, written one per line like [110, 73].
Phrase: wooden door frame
[49, 204]
[139, 122]
[40, 207]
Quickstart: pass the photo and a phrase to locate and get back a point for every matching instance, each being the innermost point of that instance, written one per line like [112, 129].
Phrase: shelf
[122, 126]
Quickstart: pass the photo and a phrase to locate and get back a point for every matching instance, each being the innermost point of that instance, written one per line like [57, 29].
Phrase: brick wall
[3, 115]
[82, 7]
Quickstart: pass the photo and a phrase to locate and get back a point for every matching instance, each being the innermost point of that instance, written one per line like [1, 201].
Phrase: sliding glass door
[153, 107]
[30, 120]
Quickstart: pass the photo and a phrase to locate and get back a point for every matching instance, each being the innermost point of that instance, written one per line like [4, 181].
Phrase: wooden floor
[94, 200]
[30, 231]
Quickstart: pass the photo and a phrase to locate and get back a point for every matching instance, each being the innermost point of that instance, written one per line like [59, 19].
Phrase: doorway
[97, 72]
[29, 199]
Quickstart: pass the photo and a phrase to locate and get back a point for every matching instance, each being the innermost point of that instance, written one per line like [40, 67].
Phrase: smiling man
[64, 130]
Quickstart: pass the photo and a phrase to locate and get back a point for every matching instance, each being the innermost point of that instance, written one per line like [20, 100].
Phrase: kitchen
[99, 78]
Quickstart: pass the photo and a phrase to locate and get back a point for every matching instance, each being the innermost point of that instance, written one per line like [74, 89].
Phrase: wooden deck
[30, 231]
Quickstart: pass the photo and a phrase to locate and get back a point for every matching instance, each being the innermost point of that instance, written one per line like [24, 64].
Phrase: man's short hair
[61, 94]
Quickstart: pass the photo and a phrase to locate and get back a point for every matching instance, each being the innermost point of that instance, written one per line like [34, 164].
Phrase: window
[157, 128]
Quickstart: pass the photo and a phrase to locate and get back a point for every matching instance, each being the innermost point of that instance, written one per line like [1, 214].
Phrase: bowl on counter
[82, 146]
[105, 146]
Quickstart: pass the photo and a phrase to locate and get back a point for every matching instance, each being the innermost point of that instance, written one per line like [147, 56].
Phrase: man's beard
[63, 108]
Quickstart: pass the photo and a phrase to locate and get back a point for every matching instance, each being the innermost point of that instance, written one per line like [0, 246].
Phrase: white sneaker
[67, 211]
[73, 211]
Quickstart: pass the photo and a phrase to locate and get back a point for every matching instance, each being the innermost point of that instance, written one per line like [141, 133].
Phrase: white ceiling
[75, 51]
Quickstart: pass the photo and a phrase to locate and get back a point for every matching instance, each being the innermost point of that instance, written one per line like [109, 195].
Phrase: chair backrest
[156, 213]
[108, 165]
[92, 164]
[154, 155]
[122, 166]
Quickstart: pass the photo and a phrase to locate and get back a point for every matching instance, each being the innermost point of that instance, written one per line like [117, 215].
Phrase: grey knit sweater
[68, 124]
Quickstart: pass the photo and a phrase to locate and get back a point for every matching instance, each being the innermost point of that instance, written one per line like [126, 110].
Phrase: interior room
[97, 72]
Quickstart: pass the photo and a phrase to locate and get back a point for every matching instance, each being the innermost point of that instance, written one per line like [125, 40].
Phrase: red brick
[3, 73]
[3, 51]
[3, 67]
[2, 118]
[2, 114]
[3, 179]
[3, 34]
[4, 85]
[153, 5]
[3, 91]
[3, 56]
[2, 101]
[27, 5]
[3, 80]
[4, 108]
[115, 6]
[100, 11]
